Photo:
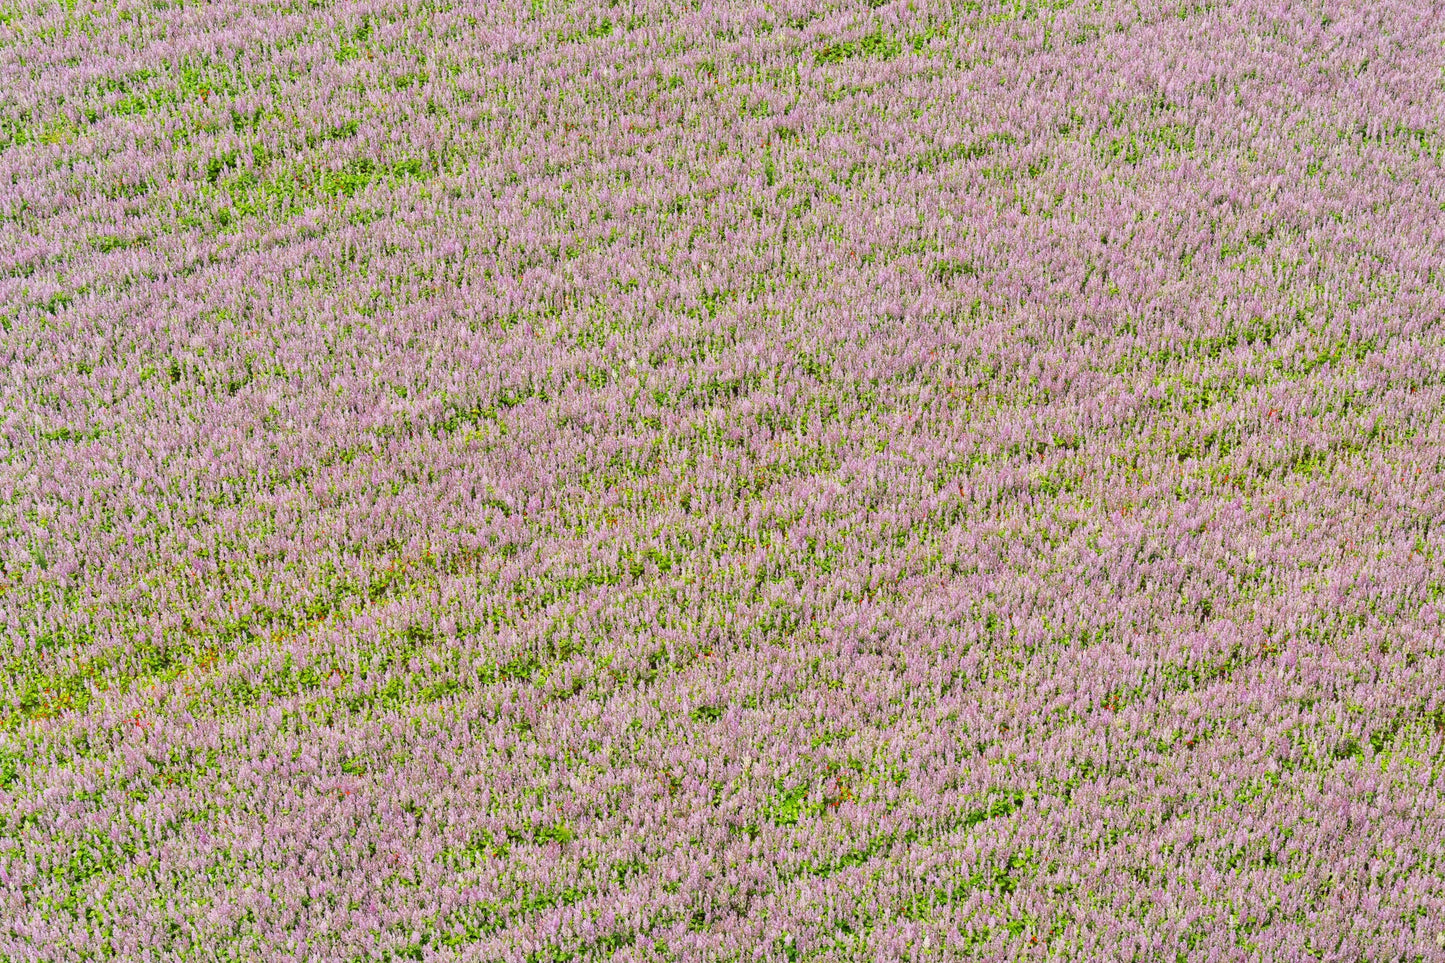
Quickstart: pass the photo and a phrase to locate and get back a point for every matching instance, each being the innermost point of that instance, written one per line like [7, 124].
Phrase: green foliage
[11, 764]
[876, 46]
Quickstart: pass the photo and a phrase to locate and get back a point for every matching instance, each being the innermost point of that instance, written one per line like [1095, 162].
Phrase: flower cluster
[543, 480]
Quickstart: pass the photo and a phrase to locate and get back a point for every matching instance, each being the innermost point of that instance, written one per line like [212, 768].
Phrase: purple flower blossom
[897, 481]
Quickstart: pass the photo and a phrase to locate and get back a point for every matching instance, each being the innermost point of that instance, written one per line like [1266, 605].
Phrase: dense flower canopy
[699, 480]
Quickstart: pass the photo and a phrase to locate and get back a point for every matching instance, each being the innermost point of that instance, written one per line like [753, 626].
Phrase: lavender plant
[660, 480]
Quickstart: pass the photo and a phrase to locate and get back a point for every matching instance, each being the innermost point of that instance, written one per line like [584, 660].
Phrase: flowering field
[665, 480]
